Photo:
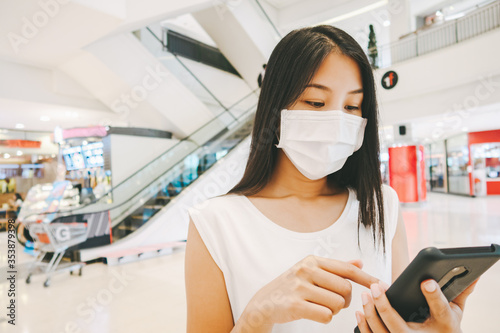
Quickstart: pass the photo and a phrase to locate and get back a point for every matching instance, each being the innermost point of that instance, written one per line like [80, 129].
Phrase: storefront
[485, 163]
[466, 164]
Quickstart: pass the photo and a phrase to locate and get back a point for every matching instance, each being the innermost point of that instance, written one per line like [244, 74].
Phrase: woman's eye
[315, 104]
[351, 108]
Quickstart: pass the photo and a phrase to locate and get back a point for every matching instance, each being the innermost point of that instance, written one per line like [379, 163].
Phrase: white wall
[130, 153]
[227, 88]
[34, 84]
[13, 112]
[461, 76]
[126, 77]
[28, 92]
[234, 41]
[255, 23]
[46, 33]
[71, 25]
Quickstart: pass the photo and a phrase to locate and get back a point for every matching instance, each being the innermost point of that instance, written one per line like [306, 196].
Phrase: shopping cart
[53, 241]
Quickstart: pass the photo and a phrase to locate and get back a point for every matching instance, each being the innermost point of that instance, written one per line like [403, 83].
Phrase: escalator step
[127, 227]
[154, 206]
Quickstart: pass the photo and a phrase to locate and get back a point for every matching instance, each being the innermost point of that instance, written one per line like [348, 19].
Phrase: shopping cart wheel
[80, 271]
[70, 272]
[28, 279]
[46, 283]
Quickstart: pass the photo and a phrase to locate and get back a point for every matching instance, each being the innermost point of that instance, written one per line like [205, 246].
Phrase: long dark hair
[292, 64]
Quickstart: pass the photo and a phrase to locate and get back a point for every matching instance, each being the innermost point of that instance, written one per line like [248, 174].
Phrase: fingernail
[358, 317]
[430, 286]
[376, 291]
[384, 285]
[364, 298]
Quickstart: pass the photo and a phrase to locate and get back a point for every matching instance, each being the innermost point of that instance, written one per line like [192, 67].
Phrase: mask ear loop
[278, 139]
[278, 131]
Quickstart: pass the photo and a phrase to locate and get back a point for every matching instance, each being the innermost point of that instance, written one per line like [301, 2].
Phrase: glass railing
[152, 199]
[420, 42]
[159, 173]
[196, 77]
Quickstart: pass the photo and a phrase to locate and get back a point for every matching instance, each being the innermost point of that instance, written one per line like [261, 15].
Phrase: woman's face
[337, 85]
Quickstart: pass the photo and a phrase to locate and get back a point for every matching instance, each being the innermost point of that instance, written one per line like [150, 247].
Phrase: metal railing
[421, 42]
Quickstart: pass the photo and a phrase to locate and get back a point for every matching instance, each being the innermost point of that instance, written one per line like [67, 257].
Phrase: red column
[423, 187]
[403, 172]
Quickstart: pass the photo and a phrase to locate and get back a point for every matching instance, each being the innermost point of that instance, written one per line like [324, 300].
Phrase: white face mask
[319, 142]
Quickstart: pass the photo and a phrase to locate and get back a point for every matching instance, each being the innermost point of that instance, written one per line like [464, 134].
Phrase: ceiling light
[387, 23]
[454, 17]
[44, 118]
[356, 12]
[71, 114]
[6, 155]
[84, 142]
[19, 153]
[19, 126]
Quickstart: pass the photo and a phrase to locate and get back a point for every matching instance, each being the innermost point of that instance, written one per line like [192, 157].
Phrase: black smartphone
[454, 269]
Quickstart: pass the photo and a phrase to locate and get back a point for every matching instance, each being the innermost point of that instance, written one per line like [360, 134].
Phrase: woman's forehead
[338, 69]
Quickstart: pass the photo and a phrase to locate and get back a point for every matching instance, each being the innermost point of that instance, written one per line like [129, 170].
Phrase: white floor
[148, 296]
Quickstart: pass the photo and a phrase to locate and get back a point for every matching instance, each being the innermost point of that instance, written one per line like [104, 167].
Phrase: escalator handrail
[186, 139]
[62, 213]
[138, 192]
[107, 210]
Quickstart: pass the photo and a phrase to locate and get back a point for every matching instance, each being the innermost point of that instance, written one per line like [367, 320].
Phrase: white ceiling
[292, 14]
[278, 4]
[45, 117]
[52, 45]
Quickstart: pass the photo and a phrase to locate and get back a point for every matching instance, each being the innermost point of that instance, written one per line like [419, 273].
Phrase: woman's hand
[444, 317]
[315, 288]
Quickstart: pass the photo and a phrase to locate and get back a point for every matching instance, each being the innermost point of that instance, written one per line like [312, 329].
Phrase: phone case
[453, 268]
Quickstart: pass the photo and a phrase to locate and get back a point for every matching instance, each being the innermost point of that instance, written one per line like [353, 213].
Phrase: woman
[281, 250]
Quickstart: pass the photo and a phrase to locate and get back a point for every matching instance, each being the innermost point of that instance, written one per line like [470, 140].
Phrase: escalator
[198, 163]
[140, 197]
[137, 201]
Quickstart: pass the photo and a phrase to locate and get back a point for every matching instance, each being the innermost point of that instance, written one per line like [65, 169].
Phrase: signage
[20, 143]
[389, 80]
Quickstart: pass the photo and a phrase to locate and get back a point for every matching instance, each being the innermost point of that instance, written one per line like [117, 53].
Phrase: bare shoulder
[208, 307]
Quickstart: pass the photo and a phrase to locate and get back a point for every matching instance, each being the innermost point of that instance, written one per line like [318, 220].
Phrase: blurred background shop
[115, 117]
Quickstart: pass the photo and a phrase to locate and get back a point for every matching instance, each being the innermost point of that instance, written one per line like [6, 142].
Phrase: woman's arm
[208, 307]
[400, 258]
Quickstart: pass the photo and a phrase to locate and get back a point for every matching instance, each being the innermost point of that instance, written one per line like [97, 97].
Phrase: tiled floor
[148, 296]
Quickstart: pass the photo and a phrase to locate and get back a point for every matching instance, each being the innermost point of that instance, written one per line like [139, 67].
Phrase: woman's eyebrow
[357, 91]
[318, 86]
[322, 87]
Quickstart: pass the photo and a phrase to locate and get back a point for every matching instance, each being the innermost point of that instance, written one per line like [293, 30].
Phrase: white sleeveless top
[251, 251]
